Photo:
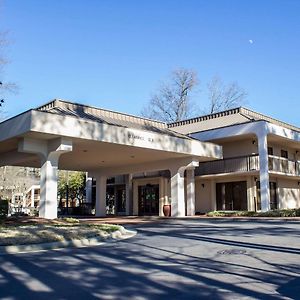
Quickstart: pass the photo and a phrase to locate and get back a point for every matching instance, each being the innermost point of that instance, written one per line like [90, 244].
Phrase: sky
[114, 54]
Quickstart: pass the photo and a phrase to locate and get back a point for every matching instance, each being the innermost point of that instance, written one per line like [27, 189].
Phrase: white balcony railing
[283, 165]
[247, 164]
[229, 165]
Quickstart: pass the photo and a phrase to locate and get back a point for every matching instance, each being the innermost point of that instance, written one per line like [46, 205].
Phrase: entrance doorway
[149, 200]
[116, 200]
[232, 195]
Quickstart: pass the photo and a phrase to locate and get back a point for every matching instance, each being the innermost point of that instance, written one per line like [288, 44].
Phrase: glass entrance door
[149, 200]
[116, 200]
[121, 199]
[232, 195]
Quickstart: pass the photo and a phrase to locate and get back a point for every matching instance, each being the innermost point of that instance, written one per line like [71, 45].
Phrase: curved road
[173, 259]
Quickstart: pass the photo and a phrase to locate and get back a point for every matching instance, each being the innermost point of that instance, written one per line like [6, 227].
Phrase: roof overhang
[96, 144]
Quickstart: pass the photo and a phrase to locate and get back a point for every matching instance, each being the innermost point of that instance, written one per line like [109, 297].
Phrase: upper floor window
[284, 154]
[270, 150]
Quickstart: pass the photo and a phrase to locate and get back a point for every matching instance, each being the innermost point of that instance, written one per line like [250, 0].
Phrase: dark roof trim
[206, 117]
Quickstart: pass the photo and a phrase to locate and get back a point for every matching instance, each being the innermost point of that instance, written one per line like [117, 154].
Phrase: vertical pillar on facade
[101, 196]
[32, 196]
[177, 188]
[161, 196]
[129, 194]
[250, 193]
[213, 195]
[264, 172]
[177, 193]
[88, 188]
[48, 202]
[190, 192]
[49, 152]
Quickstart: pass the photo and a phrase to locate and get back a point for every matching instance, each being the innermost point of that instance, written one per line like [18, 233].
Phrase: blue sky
[113, 54]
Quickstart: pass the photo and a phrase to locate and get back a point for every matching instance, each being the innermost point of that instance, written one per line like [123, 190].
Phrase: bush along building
[233, 160]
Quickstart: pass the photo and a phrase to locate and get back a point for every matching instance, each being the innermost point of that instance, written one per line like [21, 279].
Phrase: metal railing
[229, 165]
[246, 164]
[284, 165]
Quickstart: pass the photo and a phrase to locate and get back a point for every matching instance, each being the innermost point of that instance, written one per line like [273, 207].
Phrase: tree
[71, 185]
[16, 180]
[172, 102]
[224, 96]
[4, 85]
[2, 63]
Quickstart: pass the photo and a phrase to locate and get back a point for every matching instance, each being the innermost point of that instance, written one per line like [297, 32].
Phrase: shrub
[272, 213]
[71, 220]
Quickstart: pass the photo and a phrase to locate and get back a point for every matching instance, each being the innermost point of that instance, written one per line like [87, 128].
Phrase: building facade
[233, 160]
[70, 136]
[259, 171]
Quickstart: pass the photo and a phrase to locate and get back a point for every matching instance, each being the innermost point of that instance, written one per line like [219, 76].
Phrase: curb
[120, 234]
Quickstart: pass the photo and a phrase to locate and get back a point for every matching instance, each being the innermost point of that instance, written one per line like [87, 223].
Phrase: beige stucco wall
[278, 147]
[239, 148]
[247, 147]
[288, 193]
[164, 192]
[203, 202]
[205, 191]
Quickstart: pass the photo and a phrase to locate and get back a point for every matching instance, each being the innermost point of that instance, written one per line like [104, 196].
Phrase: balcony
[284, 166]
[247, 164]
[229, 165]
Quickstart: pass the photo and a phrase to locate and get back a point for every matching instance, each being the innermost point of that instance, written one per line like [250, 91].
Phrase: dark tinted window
[284, 154]
[270, 150]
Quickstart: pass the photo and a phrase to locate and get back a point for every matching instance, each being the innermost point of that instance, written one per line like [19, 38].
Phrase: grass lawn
[34, 231]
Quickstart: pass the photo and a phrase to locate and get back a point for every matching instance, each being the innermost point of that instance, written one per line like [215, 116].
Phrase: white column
[190, 192]
[264, 172]
[88, 188]
[49, 151]
[177, 194]
[48, 201]
[213, 195]
[161, 196]
[101, 196]
[129, 204]
[32, 196]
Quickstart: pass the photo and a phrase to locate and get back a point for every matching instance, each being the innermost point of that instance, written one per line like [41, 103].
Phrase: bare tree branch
[172, 102]
[5, 87]
[223, 97]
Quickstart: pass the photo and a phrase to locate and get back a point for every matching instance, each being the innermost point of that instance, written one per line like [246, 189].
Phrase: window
[284, 154]
[231, 195]
[270, 150]
[273, 196]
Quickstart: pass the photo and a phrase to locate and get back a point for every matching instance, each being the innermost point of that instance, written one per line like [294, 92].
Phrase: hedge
[272, 213]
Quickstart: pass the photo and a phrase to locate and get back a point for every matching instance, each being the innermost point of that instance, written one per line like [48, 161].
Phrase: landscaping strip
[119, 234]
[277, 213]
[23, 234]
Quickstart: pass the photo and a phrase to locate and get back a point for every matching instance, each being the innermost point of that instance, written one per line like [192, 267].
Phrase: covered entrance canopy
[104, 143]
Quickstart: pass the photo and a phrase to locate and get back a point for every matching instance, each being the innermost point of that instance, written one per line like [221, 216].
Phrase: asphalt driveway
[172, 259]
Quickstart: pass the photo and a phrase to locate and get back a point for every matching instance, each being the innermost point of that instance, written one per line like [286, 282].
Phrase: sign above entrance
[133, 136]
